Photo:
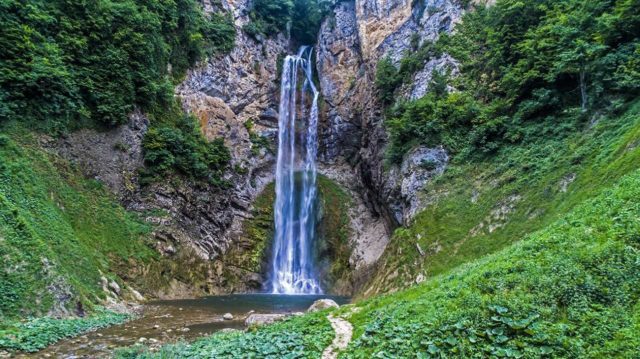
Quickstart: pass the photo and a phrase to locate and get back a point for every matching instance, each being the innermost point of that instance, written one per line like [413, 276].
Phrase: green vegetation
[59, 233]
[528, 71]
[565, 291]
[298, 337]
[333, 232]
[175, 143]
[270, 17]
[480, 207]
[64, 63]
[36, 334]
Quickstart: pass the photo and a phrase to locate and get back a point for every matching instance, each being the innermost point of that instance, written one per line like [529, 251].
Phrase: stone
[322, 304]
[227, 316]
[142, 340]
[115, 288]
[136, 295]
[262, 319]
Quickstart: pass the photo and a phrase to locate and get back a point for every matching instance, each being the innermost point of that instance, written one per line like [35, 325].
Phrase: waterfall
[296, 192]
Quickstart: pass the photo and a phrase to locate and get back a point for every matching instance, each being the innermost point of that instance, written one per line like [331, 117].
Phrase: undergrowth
[298, 337]
[566, 291]
[35, 334]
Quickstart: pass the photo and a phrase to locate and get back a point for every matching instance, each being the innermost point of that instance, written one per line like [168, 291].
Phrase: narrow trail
[344, 331]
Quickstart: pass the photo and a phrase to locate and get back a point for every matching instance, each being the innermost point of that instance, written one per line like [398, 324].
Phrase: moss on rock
[246, 262]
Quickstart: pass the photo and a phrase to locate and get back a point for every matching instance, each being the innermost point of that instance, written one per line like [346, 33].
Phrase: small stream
[173, 320]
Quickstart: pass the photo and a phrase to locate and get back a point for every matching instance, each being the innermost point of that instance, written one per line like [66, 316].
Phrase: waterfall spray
[296, 192]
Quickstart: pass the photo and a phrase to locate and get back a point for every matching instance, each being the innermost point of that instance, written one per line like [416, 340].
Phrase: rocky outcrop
[406, 182]
[322, 304]
[254, 320]
[234, 98]
[384, 28]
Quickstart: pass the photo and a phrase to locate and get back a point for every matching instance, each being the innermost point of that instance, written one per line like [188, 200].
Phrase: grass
[35, 334]
[481, 207]
[568, 290]
[297, 337]
[59, 232]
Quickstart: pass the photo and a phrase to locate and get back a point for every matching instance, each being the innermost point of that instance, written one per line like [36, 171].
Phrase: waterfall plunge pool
[169, 321]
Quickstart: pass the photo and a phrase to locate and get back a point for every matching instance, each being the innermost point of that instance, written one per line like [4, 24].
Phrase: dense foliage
[295, 338]
[528, 69]
[66, 64]
[36, 334]
[63, 63]
[177, 144]
[270, 17]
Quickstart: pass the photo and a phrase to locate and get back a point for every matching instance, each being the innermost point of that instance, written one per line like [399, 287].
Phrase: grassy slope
[59, 233]
[569, 290]
[482, 207]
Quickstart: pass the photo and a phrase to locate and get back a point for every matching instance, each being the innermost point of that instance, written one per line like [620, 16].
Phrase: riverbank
[168, 322]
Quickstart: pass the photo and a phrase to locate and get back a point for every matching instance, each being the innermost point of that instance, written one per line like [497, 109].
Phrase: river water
[173, 320]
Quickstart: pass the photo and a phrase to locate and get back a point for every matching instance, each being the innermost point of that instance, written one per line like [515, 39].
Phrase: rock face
[262, 319]
[369, 30]
[322, 304]
[235, 97]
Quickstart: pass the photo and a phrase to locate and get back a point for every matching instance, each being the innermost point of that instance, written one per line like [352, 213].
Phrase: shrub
[65, 63]
[181, 147]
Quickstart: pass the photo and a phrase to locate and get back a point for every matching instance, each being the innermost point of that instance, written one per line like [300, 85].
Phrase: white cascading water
[293, 269]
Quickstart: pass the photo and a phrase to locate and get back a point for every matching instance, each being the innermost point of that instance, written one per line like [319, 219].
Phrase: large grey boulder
[261, 319]
[322, 304]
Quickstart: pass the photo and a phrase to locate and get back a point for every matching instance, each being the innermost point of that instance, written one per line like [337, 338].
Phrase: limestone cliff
[351, 43]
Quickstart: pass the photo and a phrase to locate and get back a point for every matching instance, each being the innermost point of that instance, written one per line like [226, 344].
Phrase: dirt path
[343, 330]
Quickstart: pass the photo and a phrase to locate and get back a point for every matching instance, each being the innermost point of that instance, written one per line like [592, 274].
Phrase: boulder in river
[322, 304]
[261, 319]
[227, 316]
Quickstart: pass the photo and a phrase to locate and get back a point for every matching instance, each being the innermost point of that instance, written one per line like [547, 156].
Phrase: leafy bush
[299, 337]
[36, 334]
[180, 146]
[64, 63]
[524, 66]
[270, 17]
